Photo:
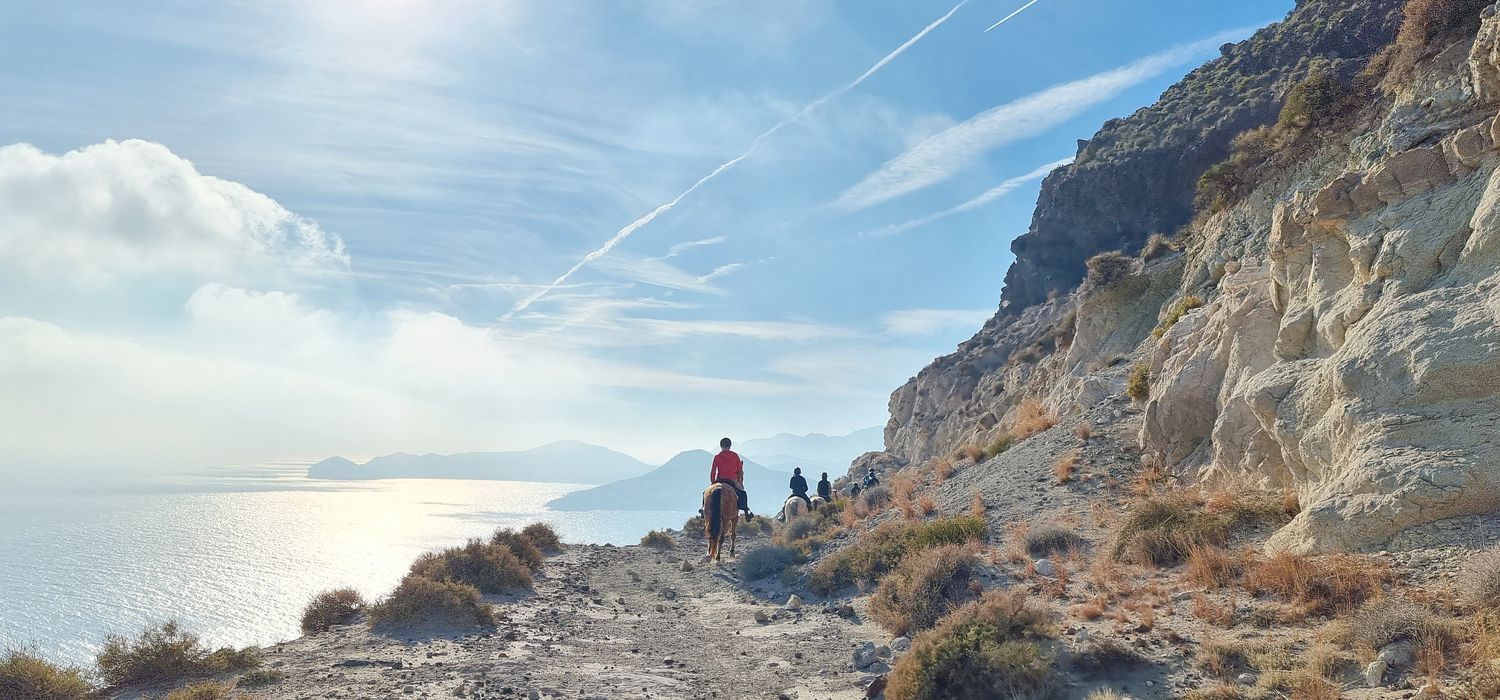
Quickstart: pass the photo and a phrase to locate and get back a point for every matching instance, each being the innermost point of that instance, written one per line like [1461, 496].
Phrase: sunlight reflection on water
[236, 555]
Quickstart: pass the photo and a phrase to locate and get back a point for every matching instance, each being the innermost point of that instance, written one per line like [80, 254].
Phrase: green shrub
[767, 561]
[260, 677]
[165, 653]
[926, 586]
[1175, 314]
[26, 675]
[1107, 268]
[1309, 101]
[880, 550]
[986, 649]
[1047, 539]
[519, 545]
[336, 607]
[1161, 530]
[658, 539]
[207, 690]
[489, 568]
[420, 599]
[1138, 383]
[544, 537]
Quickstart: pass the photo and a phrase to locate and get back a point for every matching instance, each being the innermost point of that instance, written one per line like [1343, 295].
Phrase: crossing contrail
[634, 226]
[1013, 14]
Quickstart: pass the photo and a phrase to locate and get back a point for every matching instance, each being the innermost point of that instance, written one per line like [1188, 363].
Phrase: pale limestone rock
[1484, 58]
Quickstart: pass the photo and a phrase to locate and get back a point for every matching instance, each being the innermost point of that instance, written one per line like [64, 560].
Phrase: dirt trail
[604, 622]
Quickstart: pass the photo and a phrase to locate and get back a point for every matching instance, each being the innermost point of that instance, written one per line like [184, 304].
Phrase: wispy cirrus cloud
[685, 246]
[1005, 187]
[928, 321]
[945, 154]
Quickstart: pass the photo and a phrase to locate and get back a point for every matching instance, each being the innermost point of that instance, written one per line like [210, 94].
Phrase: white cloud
[929, 321]
[656, 272]
[132, 208]
[950, 151]
[1004, 188]
[685, 246]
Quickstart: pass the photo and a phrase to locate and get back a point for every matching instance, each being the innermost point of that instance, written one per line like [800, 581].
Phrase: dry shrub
[519, 545]
[1479, 583]
[1307, 687]
[974, 452]
[926, 504]
[1175, 314]
[976, 506]
[1049, 538]
[1107, 268]
[1162, 530]
[942, 468]
[421, 599]
[1156, 246]
[1425, 22]
[875, 498]
[903, 491]
[849, 517]
[487, 567]
[1138, 383]
[767, 561]
[1031, 417]
[658, 539]
[25, 674]
[882, 549]
[1214, 567]
[165, 653]
[260, 677]
[986, 650]
[1217, 692]
[1098, 655]
[1382, 622]
[1290, 506]
[693, 527]
[1224, 659]
[544, 537]
[1084, 430]
[1335, 584]
[207, 690]
[1433, 644]
[1062, 469]
[925, 587]
[1087, 611]
[339, 606]
[1149, 479]
[999, 445]
[1207, 610]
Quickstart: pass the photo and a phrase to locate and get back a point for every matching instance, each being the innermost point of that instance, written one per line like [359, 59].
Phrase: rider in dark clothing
[825, 489]
[799, 486]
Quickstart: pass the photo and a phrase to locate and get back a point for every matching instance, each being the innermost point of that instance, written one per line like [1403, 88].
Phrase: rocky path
[604, 622]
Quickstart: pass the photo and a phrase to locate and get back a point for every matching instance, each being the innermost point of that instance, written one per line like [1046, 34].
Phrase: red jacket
[727, 466]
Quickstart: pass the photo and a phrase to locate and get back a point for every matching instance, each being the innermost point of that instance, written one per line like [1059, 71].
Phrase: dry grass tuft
[1207, 610]
[903, 491]
[926, 504]
[421, 599]
[974, 452]
[1382, 622]
[490, 568]
[1031, 417]
[767, 561]
[1065, 464]
[1049, 538]
[976, 507]
[1138, 383]
[207, 690]
[986, 649]
[1084, 431]
[1479, 584]
[925, 587]
[1101, 655]
[339, 606]
[658, 539]
[1214, 567]
[1335, 584]
[25, 674]
[942, 468]
[1162, 530]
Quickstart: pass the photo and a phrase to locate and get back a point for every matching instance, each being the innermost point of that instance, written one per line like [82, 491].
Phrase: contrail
[624, 233]
[1013, 14]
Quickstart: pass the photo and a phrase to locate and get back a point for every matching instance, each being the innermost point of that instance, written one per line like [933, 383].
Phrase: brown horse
[721, 511]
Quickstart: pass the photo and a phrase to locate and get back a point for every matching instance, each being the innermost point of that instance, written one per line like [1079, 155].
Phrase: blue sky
[253, 231]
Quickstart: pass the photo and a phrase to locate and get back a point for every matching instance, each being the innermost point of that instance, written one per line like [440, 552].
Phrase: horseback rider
[799, 486]
[729, 469]
[825, 489]
[871, 479]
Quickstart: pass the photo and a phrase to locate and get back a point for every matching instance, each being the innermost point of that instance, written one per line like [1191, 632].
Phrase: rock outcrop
[1343, 335]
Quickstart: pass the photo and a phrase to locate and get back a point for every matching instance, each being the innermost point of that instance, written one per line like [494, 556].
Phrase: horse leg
[734, 535]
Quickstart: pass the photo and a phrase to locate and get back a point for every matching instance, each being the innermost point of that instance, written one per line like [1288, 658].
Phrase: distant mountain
[677, 485]
[815, 451]
[567, 461]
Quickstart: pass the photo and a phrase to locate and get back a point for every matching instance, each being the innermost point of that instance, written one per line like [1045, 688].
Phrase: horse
[721, 510]
[795, 507]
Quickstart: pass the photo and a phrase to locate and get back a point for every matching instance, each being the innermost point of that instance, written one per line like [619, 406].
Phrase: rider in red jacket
[729, 469]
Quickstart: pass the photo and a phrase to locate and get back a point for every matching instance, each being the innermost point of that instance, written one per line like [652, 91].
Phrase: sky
[242, 232]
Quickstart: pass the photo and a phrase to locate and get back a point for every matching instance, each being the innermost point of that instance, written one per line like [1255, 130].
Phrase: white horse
[795, 507]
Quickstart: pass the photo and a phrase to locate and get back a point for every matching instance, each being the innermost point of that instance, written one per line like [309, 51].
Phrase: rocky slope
[1344, 343]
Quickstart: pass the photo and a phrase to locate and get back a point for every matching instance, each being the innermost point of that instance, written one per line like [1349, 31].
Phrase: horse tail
[715, 519]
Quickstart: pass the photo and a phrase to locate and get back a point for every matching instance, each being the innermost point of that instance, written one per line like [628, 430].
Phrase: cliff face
[1346, 342]
[1136, 176]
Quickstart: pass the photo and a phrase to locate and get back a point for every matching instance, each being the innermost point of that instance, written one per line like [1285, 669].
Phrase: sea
[234, 555]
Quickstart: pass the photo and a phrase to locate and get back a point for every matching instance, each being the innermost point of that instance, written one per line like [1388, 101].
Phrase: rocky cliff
[1331, 330]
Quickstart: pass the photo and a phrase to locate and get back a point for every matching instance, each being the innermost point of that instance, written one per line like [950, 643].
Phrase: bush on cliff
[490, 568]
[339, 606]
[520, 545]
[1107, 268]
[882, 549]
[1425, 23]
[24, 674]
[987, 649]
[925, 587]
[165, 653]
[544, 537]
[421, 599]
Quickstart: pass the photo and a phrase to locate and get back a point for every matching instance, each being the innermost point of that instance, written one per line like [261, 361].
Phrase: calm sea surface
[236, 555]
